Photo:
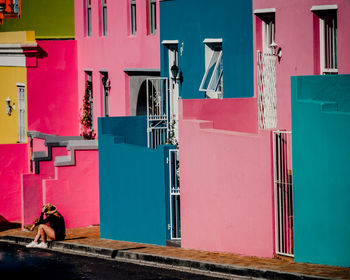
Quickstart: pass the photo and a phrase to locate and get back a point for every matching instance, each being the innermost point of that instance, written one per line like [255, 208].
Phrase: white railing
[283, 192]
[174, 188]
[267, 90]
[157, 112]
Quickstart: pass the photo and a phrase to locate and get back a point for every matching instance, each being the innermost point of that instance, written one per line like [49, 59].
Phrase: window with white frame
[88, 87]
[268, 32]
[22, 137]
[106, 86]
[327, 18]
[133, 17]
[212, 81]
[104, 17]
[88, 17]
[152, 16]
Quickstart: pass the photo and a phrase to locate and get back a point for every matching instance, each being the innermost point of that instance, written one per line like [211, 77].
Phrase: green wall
[321, 156]
[48, 18]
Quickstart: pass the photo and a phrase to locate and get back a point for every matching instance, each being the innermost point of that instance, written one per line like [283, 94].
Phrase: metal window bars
[157, 112]
[174, 188]
[267, 103]
[283, 193]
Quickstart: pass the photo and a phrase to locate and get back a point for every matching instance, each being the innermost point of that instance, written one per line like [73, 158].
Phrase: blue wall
[134, 186]
[321, 156]
[190, 22]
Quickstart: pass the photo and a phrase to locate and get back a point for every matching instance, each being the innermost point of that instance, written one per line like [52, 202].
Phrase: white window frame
[133, 21]
[104, 17]
[213, 56]
[106, 91]
[22, 121]
[268, 28]
[88, 77]
[88, 18]
[328, 55]
[152, 17]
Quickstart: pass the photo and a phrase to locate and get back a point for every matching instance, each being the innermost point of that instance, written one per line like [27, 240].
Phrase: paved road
[17, 262]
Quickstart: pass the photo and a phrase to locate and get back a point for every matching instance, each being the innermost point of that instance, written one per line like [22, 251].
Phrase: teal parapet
[321, 181]
[134, 183]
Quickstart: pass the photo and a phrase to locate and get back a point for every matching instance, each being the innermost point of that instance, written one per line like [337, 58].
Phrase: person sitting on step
[56, 230]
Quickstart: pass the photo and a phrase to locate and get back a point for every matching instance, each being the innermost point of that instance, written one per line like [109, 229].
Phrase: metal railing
[157, 111]
[267, 90]
[283, 191]
[174, 188]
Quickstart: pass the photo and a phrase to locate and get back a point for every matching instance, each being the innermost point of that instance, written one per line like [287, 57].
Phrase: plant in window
[86, 118]
[172, 140]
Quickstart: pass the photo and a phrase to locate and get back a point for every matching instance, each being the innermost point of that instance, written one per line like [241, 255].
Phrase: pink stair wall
[73, 189]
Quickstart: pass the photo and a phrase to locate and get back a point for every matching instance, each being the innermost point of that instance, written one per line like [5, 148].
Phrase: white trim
[20, 85]
[324, 7]
[170, 42]
[208, 41]
[264, 11]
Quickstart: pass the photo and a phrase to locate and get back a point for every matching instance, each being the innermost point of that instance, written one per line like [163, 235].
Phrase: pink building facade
[232, 151]
[117, 44]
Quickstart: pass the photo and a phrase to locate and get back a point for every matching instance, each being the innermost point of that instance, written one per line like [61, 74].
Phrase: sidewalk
[87, 241]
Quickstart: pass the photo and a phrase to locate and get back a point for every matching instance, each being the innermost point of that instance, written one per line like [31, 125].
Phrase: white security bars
[21, 113]
[283, 191]
[153, 16]
[157, 112]
[133, 26]
[174, 188]
[328, 43]
[267, 90]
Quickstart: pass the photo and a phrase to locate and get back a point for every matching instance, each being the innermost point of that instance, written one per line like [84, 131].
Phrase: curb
[231, 270]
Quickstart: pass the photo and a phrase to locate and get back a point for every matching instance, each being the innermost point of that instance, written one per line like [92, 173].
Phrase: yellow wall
[9, 76]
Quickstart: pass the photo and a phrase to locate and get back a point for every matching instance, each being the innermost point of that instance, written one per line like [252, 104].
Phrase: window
[212, 82]
[104, 17]
[327, 18]
[268, 32]
[152, 17]
[22, 137]
[88, 17]
[106, 86]
[133, 17]
[266, 26]
[88, 88]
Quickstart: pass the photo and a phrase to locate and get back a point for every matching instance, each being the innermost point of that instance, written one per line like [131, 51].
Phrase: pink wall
[32, 198]
[13, 161]
[73, 189]
[238, 114]
[295, 35]
[113, 53]
[226, 188]
[52, 89]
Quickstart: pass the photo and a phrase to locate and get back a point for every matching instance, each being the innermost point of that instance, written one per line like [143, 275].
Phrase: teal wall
[48, 18]
[134, 189]
[190, 22]
[321, 156]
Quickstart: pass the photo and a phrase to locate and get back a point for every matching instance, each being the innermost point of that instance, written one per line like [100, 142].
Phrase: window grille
[21, 114]
[106, 85]
[88, 75]
[328, 43]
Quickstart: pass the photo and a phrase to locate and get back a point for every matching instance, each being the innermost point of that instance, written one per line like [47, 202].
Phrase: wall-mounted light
[277, 51]
[9, 107]
[174, 71]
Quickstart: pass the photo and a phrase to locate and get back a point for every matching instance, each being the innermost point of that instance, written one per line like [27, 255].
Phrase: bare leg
[45, 232]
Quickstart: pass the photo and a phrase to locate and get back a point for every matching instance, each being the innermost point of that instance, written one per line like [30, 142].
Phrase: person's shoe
[42, 245]
[32, 244]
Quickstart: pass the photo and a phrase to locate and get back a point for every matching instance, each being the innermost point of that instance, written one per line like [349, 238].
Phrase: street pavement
[87, 241]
